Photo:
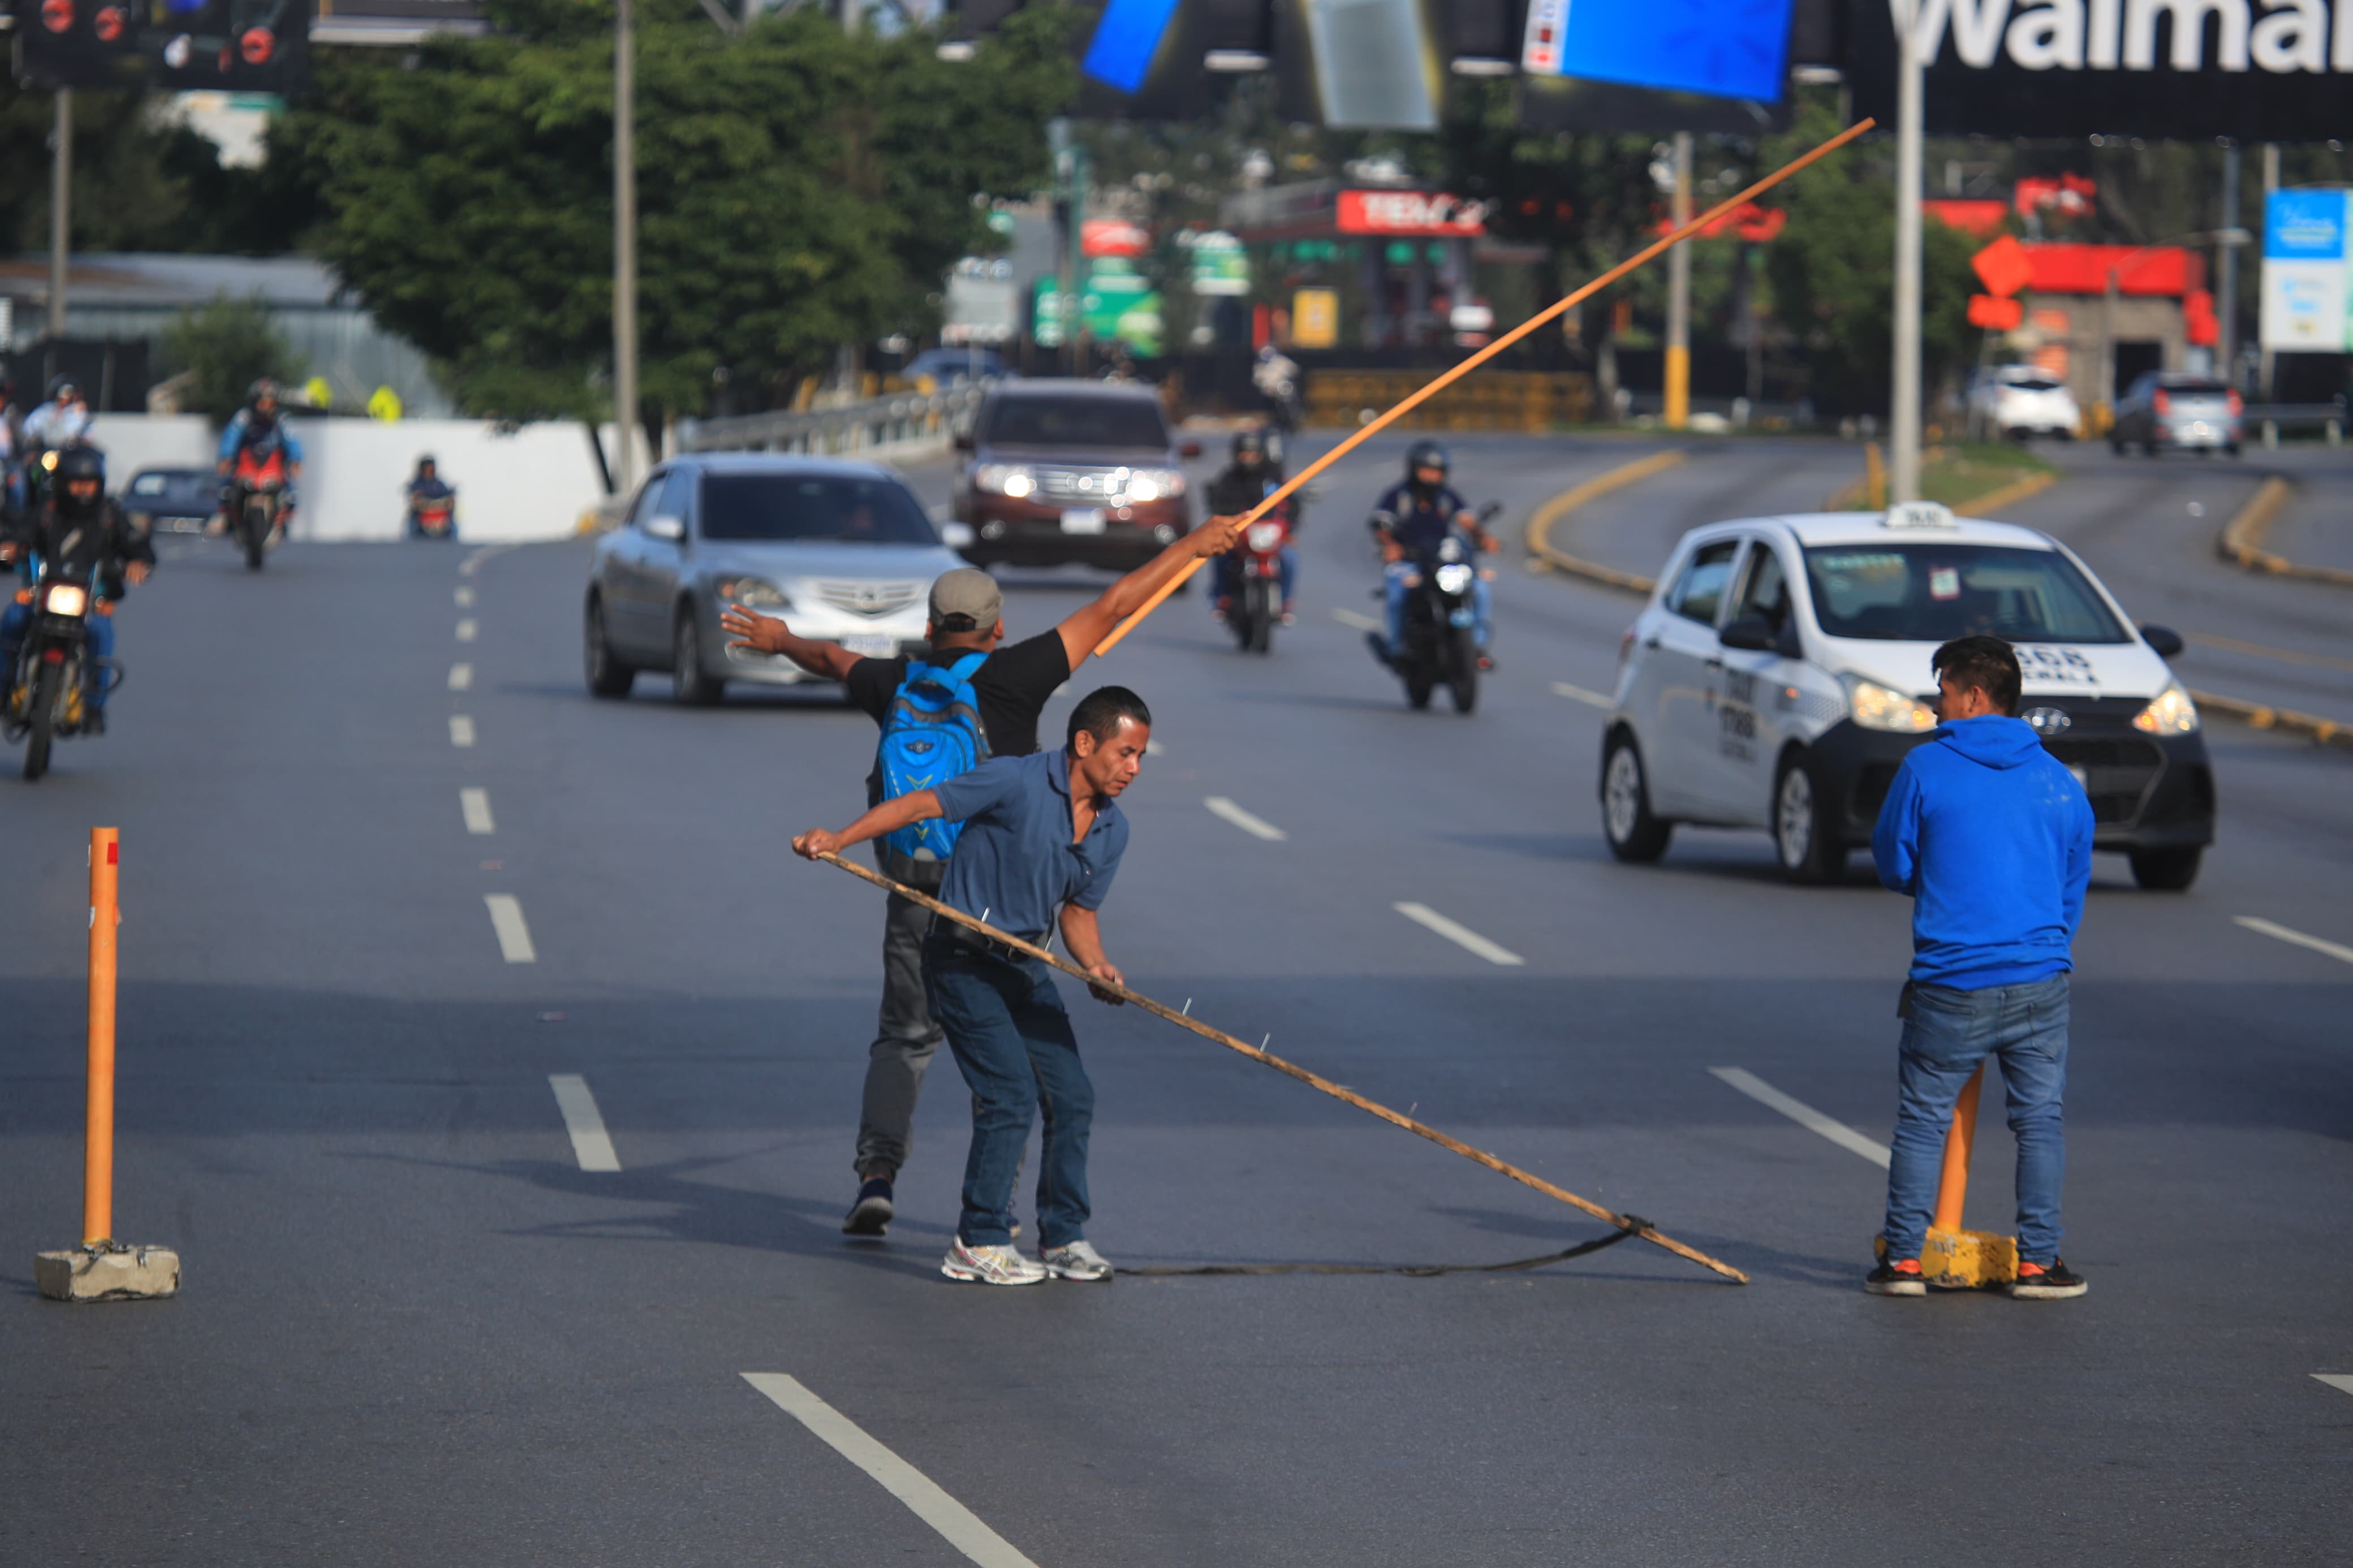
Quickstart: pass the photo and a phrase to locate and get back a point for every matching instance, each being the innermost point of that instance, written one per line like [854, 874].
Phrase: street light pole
[2271, 183]
[2226, 272]
[625, 246]
[60, 216]
[1904, 415]
[1678, 388]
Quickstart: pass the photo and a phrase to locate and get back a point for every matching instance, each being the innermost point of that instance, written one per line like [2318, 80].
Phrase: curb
[1540, 526]
[2007, 495]
[2255, 715]
[2241, 541]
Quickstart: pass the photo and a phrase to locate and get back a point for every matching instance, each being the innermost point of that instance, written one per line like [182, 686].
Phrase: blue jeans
[1482, 606]
[1005, 1021]
[1951, 1032]
[99, 629]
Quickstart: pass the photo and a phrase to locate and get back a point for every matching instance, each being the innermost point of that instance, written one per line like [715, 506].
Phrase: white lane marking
[2340, 1381]
[1462, 935]
[591, 1145]
[475, 804]
[465, 598]
[1256, 827]
[461, 730]
[1361, 622]
[514, 936]
[466, 629]
[2333, 950]
[461, 677]
[1578, 694]
[957, 1524]
[1804, 1115]
[466, 567]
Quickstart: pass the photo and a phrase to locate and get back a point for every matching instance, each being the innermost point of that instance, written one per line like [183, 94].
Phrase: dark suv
[1059, 471]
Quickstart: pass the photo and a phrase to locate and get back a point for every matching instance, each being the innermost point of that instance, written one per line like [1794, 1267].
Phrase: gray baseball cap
[966, 591]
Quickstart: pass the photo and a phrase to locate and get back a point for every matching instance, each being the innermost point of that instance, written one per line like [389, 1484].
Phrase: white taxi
[1780, 672]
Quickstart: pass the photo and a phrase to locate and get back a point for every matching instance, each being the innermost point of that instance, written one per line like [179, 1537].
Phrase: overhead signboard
[2258, 70]
[1723, 48]
[173, 46]
[1357, 64]
[2307, 298]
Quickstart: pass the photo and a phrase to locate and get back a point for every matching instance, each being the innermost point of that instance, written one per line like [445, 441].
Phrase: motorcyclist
[1245, 481]
[1411, 519]
[57, 423]
[257, 430]
[427, 485]
[1276, 377]
[82, 536]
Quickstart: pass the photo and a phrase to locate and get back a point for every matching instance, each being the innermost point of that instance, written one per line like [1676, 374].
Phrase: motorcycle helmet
[1426, 455]
[61, 383]
[80, 463]
[1252, 441]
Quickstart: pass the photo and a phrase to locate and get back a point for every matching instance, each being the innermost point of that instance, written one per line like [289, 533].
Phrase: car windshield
[1918, 592]
[1076, 422]
[2198, 389]
[2034, 383]
[831, 508]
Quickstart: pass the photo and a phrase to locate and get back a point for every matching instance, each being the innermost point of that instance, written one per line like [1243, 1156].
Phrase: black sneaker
[870, 1215]
[2053, 1281]
[1899, 1276]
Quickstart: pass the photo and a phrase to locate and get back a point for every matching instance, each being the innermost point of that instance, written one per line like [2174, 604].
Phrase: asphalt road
[416, 1332]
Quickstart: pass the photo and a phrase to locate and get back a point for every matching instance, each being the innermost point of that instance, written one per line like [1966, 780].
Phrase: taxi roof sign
[1920, 514]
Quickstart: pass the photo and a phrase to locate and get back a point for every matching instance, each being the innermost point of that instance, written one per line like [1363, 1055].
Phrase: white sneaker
[1079, 1261]
[990, 1266]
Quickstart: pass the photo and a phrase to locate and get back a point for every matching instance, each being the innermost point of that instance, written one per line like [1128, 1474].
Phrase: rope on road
[1415, 1270]
[1631, 1225]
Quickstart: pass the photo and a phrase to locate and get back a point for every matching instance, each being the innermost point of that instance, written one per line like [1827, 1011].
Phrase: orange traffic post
[103, 1268]
[1954, 1257]
[1953, 1181]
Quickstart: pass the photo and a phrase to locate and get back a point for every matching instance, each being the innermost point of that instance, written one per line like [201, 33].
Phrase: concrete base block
[115, 1273]
[1963, 1259]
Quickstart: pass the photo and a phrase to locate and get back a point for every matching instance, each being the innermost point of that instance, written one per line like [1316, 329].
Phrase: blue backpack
[932, 733]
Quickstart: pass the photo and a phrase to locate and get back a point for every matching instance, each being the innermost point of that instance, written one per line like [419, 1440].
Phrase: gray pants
[905, 1040]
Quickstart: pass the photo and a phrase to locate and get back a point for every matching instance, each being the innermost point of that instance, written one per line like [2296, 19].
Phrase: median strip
[1548, 516]
[2261, 716]
[2241, 541]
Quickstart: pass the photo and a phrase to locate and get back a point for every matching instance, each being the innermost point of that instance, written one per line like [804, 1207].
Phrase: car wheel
[688, 684]
[607, 676]
[1805, 828]
[2168, 870]
[1634, 834]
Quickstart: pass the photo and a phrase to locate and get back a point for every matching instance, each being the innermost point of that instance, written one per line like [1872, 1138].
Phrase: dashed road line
[957, 1524]
[2340, 1381]
[461, 730]
[476, 806]
[1804, 1115]
[1256, 827]
[2335, 950]
[514, 936]
[465, 597]
[591, 1145]
[1578, 694]
[472, 562]
[461, 678]
[1461, 935]
[466, 629]
[1363, 623]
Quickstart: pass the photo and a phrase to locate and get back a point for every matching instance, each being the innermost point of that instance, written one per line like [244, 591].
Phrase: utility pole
[1903, 415]
[2226, 272]
[625, 246]
[60, 217]
[1679, 295]
[2271, 183]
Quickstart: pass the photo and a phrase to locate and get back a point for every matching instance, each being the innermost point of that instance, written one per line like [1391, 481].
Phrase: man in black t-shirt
[1012, 686]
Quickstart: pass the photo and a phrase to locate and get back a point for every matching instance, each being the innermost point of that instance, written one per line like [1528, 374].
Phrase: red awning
[2164, 270]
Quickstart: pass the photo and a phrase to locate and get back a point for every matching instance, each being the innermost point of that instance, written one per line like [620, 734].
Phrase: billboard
[2307, 256]
[1358, 64]
[2256, 70]
[1723, 48]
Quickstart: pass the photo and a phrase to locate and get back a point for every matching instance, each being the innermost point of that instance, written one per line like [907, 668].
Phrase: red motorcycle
[1256, 607]
[256, 493]
[433, 517]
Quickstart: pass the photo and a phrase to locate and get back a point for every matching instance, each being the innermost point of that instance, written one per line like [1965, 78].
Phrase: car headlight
[754, 593]
[1877, 707]
[2171, 712]
[1453, 577]
[1004, 480]
[1154, 484]
[66, 599]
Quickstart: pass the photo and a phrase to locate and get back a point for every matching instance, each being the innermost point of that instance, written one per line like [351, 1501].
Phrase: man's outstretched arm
[766, 634]
[1082, 629]
[889, 817]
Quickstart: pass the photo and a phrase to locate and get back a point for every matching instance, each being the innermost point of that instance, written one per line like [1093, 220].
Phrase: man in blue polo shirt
[1042, 839]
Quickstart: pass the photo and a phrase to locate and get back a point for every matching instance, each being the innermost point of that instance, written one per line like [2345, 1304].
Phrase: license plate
[1083, 519]
[871, 644]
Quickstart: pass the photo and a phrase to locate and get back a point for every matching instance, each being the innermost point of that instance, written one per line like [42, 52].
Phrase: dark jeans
[1012, 1039]
[905, 1040]
[1950, 1033]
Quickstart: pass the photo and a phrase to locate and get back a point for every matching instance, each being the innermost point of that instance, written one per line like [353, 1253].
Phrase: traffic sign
[2004, 267]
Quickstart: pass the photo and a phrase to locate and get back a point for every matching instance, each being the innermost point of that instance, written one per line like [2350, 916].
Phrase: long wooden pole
[1366, 433]
[1185, 1020]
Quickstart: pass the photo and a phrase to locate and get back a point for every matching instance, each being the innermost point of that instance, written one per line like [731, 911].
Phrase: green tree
[224, 348]
[798, 188]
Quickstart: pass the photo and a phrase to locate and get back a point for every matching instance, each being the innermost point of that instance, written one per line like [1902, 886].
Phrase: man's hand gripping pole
[1628, 1223]
[1368, 432]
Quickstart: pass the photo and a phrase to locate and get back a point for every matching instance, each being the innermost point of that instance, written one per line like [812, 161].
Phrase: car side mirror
[955, 535]
[2164, 639]
[662, 525]
[1189, 449]
[1750, 632]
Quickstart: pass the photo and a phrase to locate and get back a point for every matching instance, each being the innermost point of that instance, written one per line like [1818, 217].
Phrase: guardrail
[902, 424]
[2271, 418]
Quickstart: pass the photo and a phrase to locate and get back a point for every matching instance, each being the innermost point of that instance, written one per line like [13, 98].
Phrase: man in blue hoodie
[1992, 837]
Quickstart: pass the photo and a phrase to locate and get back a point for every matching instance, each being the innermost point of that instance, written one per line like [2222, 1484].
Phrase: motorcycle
[1277, 380]
[1257, 606]
[48, 690]
[434, 517]
[255, 500]
[1440, 626]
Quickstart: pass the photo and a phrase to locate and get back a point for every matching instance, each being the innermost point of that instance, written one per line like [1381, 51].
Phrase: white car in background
[1780, 672]
[2014, 402]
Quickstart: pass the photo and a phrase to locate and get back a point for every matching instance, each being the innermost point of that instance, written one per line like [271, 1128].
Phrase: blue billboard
[1723, 48]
